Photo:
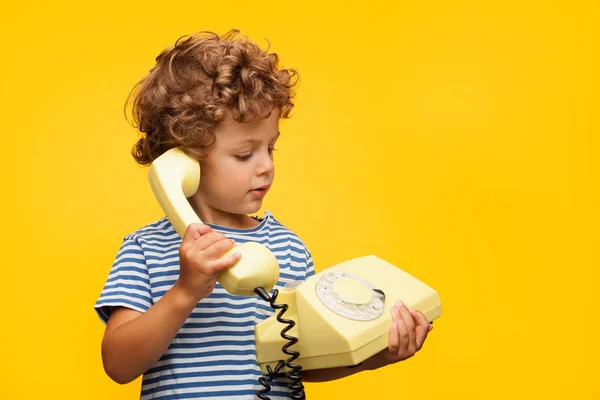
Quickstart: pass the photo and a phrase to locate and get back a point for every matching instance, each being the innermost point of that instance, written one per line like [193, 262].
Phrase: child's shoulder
[273, 222]
[280, 228]
[158, 229]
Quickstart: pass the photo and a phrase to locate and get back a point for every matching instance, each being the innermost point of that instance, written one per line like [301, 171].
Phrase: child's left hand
[408, 331]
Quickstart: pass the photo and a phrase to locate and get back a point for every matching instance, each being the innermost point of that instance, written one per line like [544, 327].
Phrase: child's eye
[272, 149]
[243, 157]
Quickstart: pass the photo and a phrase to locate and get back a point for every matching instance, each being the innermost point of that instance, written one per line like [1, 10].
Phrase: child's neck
[225, 219]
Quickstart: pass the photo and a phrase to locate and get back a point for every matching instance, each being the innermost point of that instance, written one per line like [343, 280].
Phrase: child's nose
[265, 166]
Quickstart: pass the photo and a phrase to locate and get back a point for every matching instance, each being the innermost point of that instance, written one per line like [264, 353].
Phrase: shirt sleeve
[310, 268]
[128, 283]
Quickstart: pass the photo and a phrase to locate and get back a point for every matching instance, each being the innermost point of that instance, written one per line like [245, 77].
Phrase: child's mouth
[260, 191]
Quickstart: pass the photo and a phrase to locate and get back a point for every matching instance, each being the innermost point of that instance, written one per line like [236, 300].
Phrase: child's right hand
[200, 260]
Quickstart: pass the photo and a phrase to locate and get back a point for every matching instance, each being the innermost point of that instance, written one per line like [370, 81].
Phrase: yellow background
[456, 139]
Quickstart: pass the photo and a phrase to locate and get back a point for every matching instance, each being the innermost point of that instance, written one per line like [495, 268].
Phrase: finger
[218, 248]
[410, 325]
[423, 327]
[208, 240]
[403, 335]
[223, 264]
[394, 339]
[193, 232]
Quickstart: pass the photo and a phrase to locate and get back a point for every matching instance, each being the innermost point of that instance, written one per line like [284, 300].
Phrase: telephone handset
[338, 317]
[174, 176]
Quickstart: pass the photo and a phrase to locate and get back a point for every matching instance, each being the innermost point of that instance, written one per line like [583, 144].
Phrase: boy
[220, 99]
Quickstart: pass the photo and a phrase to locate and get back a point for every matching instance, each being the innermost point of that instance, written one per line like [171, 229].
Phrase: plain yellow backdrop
[456, 139]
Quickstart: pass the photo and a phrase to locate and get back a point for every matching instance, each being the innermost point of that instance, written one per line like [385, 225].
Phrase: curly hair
[194, 85]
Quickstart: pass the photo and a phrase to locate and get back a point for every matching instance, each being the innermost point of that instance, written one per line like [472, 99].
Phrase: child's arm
[134, 341]
[330, 374]
[408, 332]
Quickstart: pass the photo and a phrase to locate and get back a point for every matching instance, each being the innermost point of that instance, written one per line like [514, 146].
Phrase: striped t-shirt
[213, 354]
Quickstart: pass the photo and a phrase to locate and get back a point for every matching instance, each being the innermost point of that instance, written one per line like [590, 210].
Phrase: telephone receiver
[174, 176]
[340, 316]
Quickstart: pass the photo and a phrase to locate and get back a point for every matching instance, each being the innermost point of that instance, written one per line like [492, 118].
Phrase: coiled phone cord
[294, 372]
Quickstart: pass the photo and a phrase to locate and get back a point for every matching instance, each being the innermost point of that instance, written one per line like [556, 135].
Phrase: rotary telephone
[338, 317]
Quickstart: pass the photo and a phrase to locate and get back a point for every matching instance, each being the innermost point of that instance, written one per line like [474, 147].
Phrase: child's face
[239, 170]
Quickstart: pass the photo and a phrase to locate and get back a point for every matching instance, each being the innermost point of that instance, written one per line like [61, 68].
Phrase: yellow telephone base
[330, 336]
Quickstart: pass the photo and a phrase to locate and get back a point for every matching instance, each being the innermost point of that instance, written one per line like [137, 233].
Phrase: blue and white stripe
[213, 355]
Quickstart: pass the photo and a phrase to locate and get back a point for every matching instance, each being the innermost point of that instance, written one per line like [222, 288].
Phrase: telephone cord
[293, 374]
